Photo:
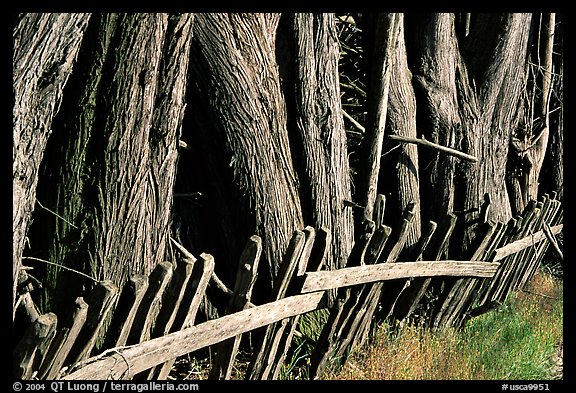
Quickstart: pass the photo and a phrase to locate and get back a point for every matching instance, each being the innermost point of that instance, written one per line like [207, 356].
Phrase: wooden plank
[439, 242]
[375, 247]
[245, 278]
[470, 292]
[531, 255]
[171, 301]
[173, 296]
[556, 219]
[63, 341]
[414, 288]
[31, 349]
[328, 340]
[458, 289]
[393, 289]
[509, 235]
[123, 363]
[100, 301]
[524, 243]
[321, 245]
[310, 236]
[125, 311]
[150, 306]
[396, 245]
[518, 260]
[552, 240]
[348, 276]
[359, 248]
[379, 208]
[361, 312]
[266, 343]
[186, 315]
[501, 281]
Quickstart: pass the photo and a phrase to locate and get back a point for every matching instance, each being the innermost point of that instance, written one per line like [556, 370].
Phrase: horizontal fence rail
[345, 277]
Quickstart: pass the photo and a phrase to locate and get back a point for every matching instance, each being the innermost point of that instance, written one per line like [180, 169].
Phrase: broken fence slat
[33, 346]
[320, 281]
[186, 315]
[100, 302]
[287, 270]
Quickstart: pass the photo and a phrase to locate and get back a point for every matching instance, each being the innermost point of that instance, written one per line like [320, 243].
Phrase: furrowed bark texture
[319, 124]
[402, 121]
[530, 139]
[433, 61]
[120, 132]
[492, 53]
[237, 79]
[45, 49]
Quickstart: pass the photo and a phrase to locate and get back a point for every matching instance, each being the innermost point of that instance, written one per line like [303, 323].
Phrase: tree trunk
[433, 61]
[489, 97]
[313, 82]
[531, 137]
[118, 134]
[45, 48]
[243, 120]
[404, 181]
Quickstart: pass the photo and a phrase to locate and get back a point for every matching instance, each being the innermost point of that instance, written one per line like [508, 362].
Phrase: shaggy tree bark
[530, 139]
[434, 58]
[403, 183]
[244, 123]
[312, 70]
[116, 150]
[496, 55]
[45, 48]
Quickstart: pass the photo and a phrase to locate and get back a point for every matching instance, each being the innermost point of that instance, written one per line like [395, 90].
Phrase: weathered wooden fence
[152, 318]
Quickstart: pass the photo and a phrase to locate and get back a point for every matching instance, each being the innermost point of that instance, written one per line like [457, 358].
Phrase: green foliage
[309, 328]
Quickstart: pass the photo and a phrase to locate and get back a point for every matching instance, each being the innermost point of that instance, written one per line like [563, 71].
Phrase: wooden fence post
[186, 315]
[62, 343]
[125, 312]
[266, 344]
[245, 278]
[30, 351]
[100, 301]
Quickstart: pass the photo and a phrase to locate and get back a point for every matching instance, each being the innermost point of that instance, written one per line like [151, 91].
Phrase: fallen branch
[424, 142]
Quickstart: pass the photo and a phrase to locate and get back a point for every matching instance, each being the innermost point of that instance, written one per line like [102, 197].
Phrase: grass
[516, 342]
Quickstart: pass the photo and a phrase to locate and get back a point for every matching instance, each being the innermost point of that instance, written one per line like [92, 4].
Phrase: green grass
[518, 341]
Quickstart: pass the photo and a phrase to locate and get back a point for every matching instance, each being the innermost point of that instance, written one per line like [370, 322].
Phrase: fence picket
[100, 301]
[245, 278]
[266, 342]
[186, 315]
[30, 351]
[62, 343]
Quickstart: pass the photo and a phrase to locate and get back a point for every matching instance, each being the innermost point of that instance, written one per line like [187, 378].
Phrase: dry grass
[516, 342]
